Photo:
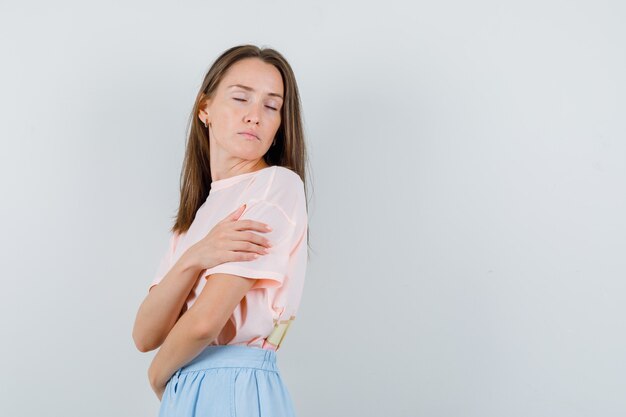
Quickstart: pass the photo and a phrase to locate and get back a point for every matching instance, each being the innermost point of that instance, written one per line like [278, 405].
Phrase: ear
[203, 110]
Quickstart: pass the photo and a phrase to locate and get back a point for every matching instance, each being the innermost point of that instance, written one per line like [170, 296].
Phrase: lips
[249, 134]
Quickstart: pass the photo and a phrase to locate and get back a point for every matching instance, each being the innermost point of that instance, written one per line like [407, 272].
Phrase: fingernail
[267, 227]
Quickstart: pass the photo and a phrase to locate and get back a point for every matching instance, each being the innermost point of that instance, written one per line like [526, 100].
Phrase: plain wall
[466, 212]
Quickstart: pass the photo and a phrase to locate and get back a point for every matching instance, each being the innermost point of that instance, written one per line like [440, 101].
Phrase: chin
[251, 156]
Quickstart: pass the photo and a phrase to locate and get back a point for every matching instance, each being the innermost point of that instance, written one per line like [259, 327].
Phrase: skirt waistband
[229, 356]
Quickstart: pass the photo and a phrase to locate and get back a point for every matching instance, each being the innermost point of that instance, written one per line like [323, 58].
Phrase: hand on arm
[228, 241]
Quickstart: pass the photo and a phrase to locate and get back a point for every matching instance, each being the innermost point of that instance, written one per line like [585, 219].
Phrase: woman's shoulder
[275, 180]
[284, 188]
[286, 177]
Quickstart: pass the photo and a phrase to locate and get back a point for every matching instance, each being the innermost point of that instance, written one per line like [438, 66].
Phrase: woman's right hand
[229, 241]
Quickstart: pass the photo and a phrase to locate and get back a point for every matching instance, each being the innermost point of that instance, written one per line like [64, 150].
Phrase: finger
[235, 214]
[245, 246]
[241, 256]
[249, 224]
[240, 236]
[253, 238]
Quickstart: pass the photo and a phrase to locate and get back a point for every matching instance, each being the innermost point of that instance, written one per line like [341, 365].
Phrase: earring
[205, 124]
[274, 143]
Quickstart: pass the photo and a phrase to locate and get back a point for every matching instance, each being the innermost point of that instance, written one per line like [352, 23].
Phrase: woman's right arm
[164, 303]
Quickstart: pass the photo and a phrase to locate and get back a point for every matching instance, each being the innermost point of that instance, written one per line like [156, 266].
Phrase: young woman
[224, 296]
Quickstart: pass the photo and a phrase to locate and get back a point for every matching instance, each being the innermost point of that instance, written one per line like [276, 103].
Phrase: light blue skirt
[228, 381]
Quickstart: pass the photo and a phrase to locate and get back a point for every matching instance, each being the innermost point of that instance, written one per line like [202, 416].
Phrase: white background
[466, 209]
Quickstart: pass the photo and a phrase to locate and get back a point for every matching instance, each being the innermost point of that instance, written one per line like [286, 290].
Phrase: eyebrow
[245, 87]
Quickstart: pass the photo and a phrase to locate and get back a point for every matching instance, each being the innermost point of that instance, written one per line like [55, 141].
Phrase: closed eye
[241, 99]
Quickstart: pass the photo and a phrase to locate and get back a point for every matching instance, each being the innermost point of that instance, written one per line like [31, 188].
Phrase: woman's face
[248, 99]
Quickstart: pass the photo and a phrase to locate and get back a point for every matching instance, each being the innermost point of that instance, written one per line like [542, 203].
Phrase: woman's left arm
[198, 327]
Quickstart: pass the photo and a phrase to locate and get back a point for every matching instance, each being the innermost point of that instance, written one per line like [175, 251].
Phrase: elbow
[143, 343]
[142, 348]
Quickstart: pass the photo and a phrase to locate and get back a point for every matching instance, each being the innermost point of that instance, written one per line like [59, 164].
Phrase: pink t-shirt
[274, 195]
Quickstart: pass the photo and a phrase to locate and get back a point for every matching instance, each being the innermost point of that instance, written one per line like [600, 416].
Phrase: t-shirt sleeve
[165, 263]
[271, 268]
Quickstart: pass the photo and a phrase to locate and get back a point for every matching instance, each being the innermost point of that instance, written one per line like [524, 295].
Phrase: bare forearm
[162, 306]
[183, 343]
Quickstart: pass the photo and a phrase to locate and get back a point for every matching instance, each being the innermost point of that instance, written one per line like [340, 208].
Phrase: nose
[253, 115]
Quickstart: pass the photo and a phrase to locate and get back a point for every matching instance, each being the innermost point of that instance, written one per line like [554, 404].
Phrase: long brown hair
[289, 150]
